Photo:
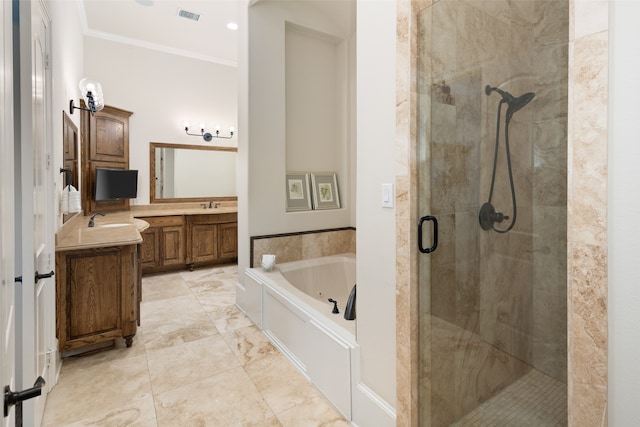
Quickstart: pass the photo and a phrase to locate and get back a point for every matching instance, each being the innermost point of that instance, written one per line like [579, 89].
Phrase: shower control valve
[488, 216]
[499, 217]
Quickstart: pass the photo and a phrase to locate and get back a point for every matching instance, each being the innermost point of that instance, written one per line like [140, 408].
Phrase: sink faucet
[91, 224]
[211, 205]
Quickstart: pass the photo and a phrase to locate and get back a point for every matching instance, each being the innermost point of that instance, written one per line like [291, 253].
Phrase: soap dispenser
[350, 309]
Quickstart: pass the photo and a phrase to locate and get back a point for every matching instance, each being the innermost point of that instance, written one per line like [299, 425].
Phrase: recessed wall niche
[317, 102]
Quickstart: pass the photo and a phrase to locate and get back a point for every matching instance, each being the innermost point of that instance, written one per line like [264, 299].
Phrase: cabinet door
[204, 239]
[228, 240]
[150, 249]
[97, 294]
[173, 245]
[110, 142]
[89, 297]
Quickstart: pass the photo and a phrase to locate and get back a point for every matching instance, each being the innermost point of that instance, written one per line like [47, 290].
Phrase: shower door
[491, 126]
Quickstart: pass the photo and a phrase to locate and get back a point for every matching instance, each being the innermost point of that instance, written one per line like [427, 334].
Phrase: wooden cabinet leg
[129, 340]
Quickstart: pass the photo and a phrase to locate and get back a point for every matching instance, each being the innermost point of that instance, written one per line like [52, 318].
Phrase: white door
[7, 304]
[34, 212]
[43, 204]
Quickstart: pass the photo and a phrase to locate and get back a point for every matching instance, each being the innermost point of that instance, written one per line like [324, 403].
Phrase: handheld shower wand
[514, 104]
[488, 215]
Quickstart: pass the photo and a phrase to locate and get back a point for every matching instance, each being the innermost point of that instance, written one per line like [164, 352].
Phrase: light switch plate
[387, 195]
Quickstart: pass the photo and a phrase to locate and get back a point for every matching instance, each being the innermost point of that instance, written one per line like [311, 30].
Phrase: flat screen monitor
[116, 184]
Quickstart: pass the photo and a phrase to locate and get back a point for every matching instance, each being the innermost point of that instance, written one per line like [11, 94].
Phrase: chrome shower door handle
[435, 234]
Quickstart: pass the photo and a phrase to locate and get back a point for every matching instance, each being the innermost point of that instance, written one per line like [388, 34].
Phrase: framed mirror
[191, 173]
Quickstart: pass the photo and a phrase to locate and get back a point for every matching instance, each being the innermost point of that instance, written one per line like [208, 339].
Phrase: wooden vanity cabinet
[97, 295]
[163, 246]
[105, 144]
[212, 239]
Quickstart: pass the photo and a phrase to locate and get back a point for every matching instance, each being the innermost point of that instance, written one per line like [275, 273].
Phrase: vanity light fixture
[208, 136]
[92, 93]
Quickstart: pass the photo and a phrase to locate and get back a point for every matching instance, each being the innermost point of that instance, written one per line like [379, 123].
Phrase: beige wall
[624, 209]
[67, 71]
[270, 132]
[376, 237]
[162, 90]
[268, 158]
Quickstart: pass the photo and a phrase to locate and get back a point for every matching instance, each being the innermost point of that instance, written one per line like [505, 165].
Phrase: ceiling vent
[188, 15]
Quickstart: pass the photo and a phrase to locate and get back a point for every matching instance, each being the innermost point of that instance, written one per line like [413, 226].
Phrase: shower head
[514, 104]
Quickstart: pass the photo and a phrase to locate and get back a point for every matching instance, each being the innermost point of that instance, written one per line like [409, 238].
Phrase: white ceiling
[155, 24]
[158, 26]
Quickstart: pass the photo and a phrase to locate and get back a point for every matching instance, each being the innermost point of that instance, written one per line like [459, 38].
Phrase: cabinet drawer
[213, 218]
[164, 221]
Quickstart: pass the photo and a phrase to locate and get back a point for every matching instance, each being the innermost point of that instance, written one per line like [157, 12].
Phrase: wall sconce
[92, 93]
[208, 136]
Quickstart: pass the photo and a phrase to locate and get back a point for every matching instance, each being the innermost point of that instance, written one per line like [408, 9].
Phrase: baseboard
[369, 409]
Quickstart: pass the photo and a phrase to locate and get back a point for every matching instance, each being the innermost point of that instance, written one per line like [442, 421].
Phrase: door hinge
[48, 161]
[47, 61]
[49, 353]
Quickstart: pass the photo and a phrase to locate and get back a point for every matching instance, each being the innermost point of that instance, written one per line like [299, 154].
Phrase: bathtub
[290, 304]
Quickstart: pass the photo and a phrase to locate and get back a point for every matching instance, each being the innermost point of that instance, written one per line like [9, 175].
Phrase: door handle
[44, 276]
[13, 397]
[435, 234]
[37, 276]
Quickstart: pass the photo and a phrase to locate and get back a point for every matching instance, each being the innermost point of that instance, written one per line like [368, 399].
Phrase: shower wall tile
[459, 386]
[443, 44]
[586, 218]
[407, 311]
[590, 17]
[551, 18]
[551, 83]
[549, 164]
[588, 159]
[588, 323]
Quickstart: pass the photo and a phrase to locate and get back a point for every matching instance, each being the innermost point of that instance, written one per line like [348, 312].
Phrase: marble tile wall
[581, 263]
[587, 213]
[303, 245]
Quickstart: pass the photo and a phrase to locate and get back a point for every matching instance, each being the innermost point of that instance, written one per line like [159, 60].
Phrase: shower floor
[534, 400]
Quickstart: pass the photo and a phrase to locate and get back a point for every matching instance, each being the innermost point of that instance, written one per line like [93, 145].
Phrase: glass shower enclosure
[492, 171]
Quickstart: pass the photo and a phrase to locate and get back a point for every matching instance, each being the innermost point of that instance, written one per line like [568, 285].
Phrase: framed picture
[325, 190]
[297, 188]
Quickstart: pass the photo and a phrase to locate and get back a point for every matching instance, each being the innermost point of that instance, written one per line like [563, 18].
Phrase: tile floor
[195, 361]
[534, 400]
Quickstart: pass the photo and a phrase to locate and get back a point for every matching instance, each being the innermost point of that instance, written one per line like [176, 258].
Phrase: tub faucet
[335, 306]
[211, 205]
[350, 309]
[91, 224]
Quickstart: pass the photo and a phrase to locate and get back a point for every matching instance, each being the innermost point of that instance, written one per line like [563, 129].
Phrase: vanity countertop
[161, 210]
[113, 229]
[121, 228]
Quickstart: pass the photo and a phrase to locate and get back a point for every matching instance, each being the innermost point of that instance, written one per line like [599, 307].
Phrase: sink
[113, 224]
